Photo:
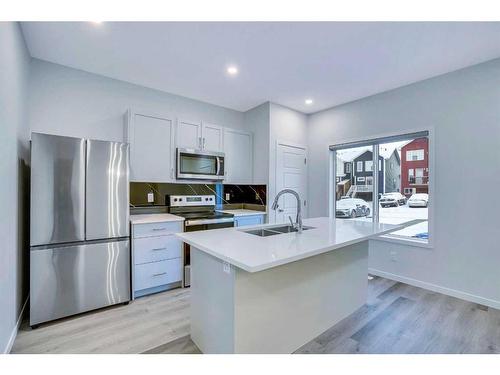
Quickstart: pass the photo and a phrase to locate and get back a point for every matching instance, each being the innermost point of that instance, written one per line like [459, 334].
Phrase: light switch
[151, 198]
[228, 196]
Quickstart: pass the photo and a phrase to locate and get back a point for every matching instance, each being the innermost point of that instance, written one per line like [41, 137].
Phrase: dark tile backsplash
[237, 194]
[254, 194]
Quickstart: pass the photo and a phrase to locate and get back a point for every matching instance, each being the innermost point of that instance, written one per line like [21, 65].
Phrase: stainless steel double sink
[272, 231]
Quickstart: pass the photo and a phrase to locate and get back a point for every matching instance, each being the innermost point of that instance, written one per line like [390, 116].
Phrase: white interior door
[212, 137]
[189, 134]
[291, 173]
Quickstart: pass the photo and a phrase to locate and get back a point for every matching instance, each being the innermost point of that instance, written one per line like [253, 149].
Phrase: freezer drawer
[73, 279]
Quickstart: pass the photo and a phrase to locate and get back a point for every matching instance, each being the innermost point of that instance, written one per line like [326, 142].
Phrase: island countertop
[254, 253]
[243, 212]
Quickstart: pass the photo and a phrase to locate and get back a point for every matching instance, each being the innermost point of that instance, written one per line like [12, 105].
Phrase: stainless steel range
[200, 214]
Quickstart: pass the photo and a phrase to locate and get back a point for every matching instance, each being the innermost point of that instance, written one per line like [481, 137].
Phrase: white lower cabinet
[241, 221]
[155, 274]
[154, 249]
[157, 257]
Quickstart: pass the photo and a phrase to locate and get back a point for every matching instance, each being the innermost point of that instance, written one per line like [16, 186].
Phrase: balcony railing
[364, 188]
[418, 180]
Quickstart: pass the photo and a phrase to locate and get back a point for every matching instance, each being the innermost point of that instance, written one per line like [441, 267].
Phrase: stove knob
[206, 199]
[180, 199]
[175, 199]
[211, 199]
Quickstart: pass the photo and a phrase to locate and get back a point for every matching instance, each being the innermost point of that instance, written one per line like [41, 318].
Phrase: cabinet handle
[159, 249]
[159, 274]
[203, 142]
[157, 229]
[199, 143]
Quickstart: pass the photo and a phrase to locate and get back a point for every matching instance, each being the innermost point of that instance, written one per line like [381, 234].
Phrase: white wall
[72, 102]
[463, 107]
[285, 125]
[257, 121]
[14, 174]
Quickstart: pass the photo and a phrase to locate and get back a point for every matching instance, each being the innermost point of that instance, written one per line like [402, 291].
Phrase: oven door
[199, 165]
[187, 248]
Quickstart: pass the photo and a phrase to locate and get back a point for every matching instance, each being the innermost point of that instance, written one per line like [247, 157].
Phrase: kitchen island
[274, 293]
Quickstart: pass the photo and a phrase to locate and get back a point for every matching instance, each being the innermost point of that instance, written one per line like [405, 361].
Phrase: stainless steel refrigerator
[79, 231]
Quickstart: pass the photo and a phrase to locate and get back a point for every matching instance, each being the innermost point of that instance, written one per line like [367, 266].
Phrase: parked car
[418, 200]
[351, 208]
[392, 199]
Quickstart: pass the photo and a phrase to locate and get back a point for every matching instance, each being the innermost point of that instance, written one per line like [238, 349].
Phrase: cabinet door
[151, 147]
[238, 147]
[189, 134]
[212, 136]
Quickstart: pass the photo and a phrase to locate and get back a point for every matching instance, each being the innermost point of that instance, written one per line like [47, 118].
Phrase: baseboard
[13, 335]
[437, 288]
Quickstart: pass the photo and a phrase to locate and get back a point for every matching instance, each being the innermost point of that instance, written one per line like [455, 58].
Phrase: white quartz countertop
[243, 212]
[154, 218]
[254, 253]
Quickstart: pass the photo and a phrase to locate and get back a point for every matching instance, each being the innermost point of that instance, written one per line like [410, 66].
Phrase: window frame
[375, 142]
[368, 166]
[415, 153]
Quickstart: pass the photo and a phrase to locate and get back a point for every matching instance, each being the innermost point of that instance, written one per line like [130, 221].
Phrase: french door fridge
[79, 231]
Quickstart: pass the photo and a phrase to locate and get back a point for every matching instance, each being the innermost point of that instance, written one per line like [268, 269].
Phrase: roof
[348, 155]
[385, 150]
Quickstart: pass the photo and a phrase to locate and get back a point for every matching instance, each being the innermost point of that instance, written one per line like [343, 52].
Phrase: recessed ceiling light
[309, 101]
[232, 70]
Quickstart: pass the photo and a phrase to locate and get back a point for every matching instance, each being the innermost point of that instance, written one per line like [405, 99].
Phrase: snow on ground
[397, 215]
[401, 214]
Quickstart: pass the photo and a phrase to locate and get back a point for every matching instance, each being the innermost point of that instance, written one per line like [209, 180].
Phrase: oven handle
[218, 165]
[189, 223]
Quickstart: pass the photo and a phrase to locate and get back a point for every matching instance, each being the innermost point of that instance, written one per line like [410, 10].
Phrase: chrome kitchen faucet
[298, 219]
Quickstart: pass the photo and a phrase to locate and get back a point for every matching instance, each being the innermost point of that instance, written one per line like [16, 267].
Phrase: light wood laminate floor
[397, 318]
[143, 324]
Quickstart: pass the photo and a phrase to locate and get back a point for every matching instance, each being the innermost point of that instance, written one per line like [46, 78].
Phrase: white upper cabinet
[200, 136]
[151, 138]
[238, 147]
[189, 134]
[154, 138]
[212, 137]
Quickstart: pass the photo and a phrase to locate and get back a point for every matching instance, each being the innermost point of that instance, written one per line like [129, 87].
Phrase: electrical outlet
[393, 255]
[151, 198]
[228, 196]
[226, 267]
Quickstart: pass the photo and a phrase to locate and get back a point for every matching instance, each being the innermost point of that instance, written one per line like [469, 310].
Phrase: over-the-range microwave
[199, 165]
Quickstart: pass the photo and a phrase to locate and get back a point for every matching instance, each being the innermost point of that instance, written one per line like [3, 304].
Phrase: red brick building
[415, 167]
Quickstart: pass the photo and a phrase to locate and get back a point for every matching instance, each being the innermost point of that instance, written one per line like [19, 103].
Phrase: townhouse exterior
[415, 167]
[392, 176]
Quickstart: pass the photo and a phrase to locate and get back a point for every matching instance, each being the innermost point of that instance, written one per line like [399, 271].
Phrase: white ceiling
[285, 63]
